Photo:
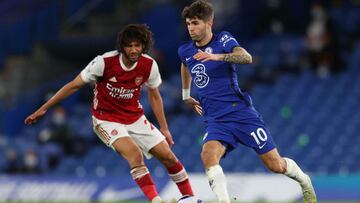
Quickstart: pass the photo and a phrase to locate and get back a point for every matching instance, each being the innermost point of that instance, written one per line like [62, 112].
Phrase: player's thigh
[145, 134]
[109, 132]
[217, 134]
[129, 150]
[253, 133]
[115, 136]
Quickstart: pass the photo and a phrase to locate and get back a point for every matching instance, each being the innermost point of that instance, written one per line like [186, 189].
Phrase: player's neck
[128, 64]
[205, 40]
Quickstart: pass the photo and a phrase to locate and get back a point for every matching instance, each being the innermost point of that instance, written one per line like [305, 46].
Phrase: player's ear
[210, 22]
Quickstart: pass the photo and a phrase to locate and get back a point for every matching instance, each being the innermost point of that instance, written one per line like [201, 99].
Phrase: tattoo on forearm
[241, 57]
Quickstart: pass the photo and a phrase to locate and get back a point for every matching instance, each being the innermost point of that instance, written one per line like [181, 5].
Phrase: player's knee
[208, 157]
[135, 159]
[168, 159]
[204, 155]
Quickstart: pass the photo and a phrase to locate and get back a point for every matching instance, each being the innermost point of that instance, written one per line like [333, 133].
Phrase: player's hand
[195, 105]
[168, 136]
[204, 56]
[34, 117]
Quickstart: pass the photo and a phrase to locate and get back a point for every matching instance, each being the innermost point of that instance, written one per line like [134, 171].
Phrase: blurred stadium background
[305, 80]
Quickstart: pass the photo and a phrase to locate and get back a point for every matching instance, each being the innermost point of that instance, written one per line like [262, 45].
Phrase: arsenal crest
[138, 80]
[114, 132]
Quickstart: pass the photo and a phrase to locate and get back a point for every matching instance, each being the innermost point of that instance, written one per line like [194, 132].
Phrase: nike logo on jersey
[113, 79]
[206, 134]
[186, 59]
[261, 146]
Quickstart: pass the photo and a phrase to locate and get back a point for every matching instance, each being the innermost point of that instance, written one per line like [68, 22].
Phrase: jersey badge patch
[114, 132]
[138, 80]
[209, 50]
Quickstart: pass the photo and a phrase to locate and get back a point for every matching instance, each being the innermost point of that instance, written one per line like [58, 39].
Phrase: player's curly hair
[135, 32]
[201, 9]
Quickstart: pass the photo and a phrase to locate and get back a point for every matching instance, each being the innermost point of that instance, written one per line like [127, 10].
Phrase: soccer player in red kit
[118, 117]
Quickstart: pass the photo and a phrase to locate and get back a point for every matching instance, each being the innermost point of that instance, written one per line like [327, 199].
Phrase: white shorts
[145, 135]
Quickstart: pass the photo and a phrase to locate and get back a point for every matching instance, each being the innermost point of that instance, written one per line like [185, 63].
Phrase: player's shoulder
[186, 46]
[147, 57]
[110, 54]
[223, 36]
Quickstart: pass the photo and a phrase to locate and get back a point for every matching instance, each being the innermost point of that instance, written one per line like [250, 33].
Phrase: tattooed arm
[239, 55]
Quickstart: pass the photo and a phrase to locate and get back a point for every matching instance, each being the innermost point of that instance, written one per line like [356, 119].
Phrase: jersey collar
[123, 65]
[200, 47]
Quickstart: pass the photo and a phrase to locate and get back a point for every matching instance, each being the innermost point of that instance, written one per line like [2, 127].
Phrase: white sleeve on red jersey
[154, 78]
[93, 70]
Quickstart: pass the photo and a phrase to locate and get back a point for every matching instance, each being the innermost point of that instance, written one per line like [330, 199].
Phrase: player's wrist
[223, 57]
[219, 57]
[186, 94]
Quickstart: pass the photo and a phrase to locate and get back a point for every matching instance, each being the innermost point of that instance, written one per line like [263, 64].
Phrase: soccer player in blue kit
[209, 61]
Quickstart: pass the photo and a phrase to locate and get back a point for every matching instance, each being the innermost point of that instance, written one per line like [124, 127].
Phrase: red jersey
[117, 88]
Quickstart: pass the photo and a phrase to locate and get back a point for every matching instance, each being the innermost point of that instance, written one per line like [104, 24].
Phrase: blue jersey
[228, 112]
[216, 81]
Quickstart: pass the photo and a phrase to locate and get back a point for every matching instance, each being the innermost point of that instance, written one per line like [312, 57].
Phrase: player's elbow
[155, 98]
[72, 86]
[249, 59]
[245, 56]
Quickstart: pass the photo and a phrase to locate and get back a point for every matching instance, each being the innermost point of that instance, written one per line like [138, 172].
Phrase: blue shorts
[250, 132]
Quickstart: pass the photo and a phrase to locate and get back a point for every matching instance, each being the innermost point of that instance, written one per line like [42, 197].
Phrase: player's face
[133, 51]
[197, 28]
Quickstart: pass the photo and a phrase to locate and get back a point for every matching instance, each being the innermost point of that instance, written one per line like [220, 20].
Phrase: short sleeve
[181, 55]
[93, 70]
[154, 79]
[228, 42]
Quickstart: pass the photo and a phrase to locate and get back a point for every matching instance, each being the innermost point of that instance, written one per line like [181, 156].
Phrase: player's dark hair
[201, 9]
[135, 33]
